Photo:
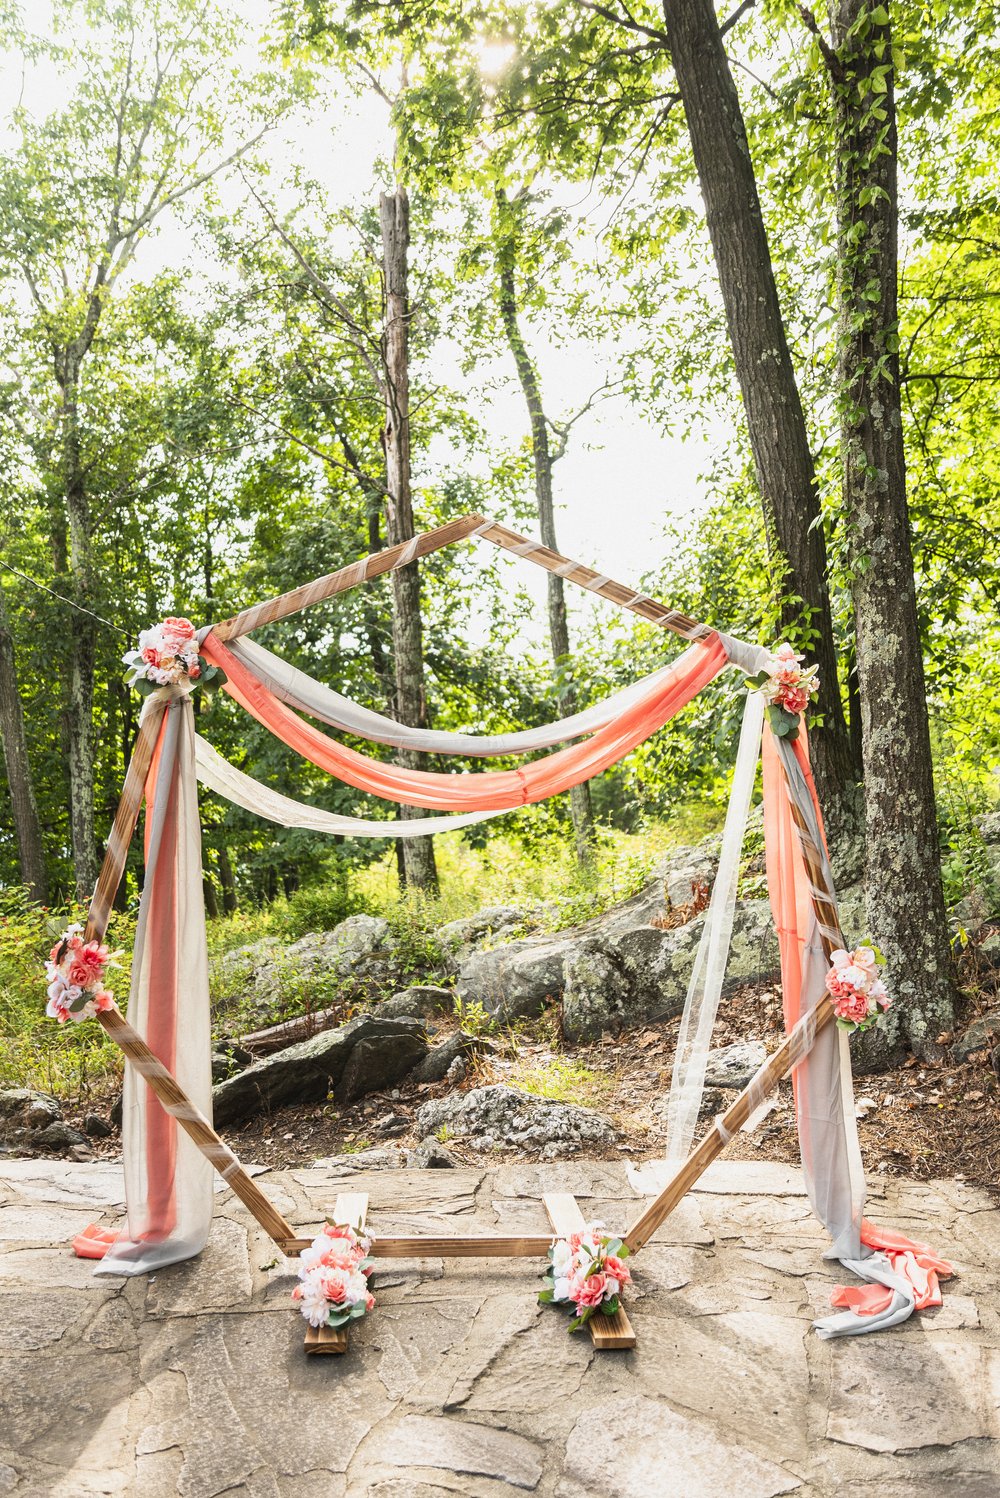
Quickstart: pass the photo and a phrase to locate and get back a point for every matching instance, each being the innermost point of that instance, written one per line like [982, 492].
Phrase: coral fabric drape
[483, 790]
[902, 1275]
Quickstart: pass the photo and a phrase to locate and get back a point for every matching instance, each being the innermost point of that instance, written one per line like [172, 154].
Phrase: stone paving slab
[195, 1383]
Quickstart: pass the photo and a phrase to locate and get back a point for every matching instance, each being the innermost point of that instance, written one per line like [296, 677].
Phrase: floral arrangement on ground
[586, 1274]
[333, 1277]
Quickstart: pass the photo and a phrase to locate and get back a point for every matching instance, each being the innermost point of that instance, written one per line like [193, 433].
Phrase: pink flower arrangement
[787, 687]
[859, 996]
[333, 1277]
[75, 973]
[168, 656]
[586, 1273]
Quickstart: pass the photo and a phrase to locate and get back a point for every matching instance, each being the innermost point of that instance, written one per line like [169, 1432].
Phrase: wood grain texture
[350, 1210]
[428, 1247]
[608, 1333]
[177, 1103]
[126, 817]
[356, 573]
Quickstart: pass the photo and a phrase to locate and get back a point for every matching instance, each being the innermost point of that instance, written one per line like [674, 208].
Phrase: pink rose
[334, 1285]
[617, 1270]
[852, 1006]
[88, 964]
[151, 656]
[369, 1303]
[103, 999]
[794, 699]
[194, 671]
[178, 629]
[588, 1293]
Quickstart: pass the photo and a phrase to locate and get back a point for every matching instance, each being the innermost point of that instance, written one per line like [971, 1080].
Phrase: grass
[75, 1061]
[562, 1080]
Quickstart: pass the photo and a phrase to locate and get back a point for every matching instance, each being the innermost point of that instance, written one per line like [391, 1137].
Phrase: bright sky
[620, 477]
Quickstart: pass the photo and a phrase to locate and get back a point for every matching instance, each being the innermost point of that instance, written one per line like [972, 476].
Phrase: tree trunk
[83, 650]
[775, 420]
[227, 879]
[903, 876]
[407, 628]
[27, 826]
[581, 808]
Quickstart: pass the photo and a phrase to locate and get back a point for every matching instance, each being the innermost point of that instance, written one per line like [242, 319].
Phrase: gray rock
[734, 1065]
[440, 1059]
[516, 979]
[221, 1066]
[683, 869]
[377, 1061]
[20, 1107]
[422, 999]
[981, 1034]
[500, 1117]
[309, 1071]
[989, 826]
[59, 1136]
[430, 1155]
[492, 920]
[349, 946]
[96, 1126]
[988, 951]
[457, 1071]
[637, 976]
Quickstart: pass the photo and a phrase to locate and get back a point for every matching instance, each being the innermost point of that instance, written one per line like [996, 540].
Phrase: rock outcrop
[504, 1118]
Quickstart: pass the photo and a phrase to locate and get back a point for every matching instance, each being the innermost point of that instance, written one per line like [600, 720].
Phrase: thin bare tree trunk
[776, 424]
[581, 808]
[407, 627]
[905, 904]
[227, 879]
[24, 807]
[83, 647]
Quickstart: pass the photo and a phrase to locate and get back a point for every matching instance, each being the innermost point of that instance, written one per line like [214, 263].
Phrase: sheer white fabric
[168, 1181]
[308, 696]
[705, 987]
[218, 775]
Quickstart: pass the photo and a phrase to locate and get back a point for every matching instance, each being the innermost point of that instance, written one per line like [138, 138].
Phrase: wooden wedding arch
[564, 1214]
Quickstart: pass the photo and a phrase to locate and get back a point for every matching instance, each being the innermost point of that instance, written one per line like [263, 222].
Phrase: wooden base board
[350, 1210]
[428, 1247]
[608, 1333]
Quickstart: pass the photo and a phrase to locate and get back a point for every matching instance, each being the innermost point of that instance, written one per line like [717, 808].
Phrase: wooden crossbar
[426, 1246]
[349, 1210]
[606, 1332]
[380, 562]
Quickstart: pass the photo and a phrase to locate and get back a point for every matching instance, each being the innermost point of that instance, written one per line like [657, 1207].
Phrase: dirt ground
[922, 1120]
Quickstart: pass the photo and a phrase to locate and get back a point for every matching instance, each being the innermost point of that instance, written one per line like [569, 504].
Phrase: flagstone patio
[195, 1382]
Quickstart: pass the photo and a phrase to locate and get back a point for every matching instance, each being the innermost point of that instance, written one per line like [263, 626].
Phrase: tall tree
[903, 871]
[83, 187]
[407, 626]
[508, 253]
[775, 419]
[27, 823]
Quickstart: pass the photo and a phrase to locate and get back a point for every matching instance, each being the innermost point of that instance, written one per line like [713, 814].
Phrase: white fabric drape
[705, 987]
[218, 775]
[308, 696]
[168, 1181]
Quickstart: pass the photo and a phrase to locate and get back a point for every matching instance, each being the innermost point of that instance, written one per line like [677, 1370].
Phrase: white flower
[864, 957]
[560, 1288]
[562, 1258]
[312, 1302]
[840, 958]
[855, 976]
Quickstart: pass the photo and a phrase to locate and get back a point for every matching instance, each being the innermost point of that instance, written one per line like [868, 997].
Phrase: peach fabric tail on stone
[168, 1181]
[494, 790]
[896, 1271]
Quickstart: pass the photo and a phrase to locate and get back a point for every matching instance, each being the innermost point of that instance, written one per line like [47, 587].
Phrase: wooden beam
[350, 1210]
[429, 1247]
[127, 815]
[177, 1103]
[794, 1048]
[796, 1045]
[608, 1333]
[361, 571]
[594, 582]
